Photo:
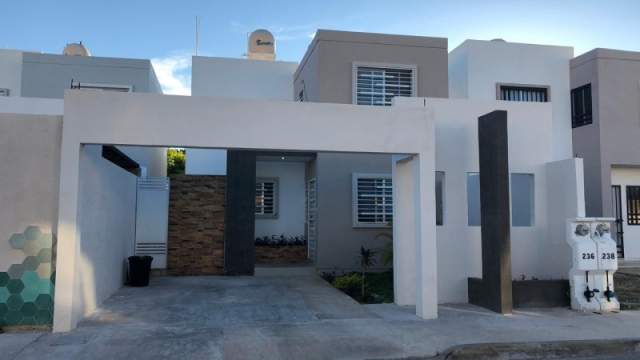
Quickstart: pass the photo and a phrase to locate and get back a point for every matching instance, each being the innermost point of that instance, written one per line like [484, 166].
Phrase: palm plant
[367, 260]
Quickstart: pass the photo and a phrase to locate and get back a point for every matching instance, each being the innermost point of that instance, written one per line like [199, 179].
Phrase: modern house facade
[605, 98]
[356, 146]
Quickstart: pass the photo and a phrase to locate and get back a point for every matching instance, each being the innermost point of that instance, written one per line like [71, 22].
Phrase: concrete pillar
[65, 316]
[415, 260]
[404, 174]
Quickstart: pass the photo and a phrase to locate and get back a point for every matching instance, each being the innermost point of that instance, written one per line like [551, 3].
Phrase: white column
[65, 317]
[404, 174]
[426, 251]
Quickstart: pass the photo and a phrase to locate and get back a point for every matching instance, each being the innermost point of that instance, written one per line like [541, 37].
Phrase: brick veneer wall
[196, 225]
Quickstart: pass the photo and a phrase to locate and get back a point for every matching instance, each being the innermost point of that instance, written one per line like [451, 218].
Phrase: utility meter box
[607, 249]
[585, 251]
[594, 256]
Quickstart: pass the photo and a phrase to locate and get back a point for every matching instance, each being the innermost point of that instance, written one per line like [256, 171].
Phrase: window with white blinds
[266, 197]
[379, 85]
[372, 200]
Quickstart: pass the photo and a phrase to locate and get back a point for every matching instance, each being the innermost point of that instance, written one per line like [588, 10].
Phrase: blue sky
[164, 30]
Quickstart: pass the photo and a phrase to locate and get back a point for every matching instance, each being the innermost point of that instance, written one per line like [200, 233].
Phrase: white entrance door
[626, 181]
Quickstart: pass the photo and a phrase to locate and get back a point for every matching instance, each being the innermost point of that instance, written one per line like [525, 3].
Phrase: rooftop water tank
[262, 45]
[76, 49]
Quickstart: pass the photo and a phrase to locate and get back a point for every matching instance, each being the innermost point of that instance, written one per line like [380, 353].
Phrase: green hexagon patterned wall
[27, 288]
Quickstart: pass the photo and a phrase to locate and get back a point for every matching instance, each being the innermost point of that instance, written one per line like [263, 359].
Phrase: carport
[101, 118]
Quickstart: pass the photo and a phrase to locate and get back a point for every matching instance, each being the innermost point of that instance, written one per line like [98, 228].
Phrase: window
[522, 200]
[372, 200]
[523, 93]
[473, 199]
[267, 197]
[633, 205]
[439, 198]
[104, 87]
[581, 113]
[377, 86]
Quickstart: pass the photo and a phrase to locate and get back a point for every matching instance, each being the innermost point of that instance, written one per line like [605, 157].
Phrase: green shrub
[349, 284]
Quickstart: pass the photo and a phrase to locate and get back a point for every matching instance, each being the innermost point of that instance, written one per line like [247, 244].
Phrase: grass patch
[378, 286]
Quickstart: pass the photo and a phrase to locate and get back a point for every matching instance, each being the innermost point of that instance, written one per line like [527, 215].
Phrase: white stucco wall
[235, 78]
[11, 71]
[107, 202]
[30, 158]
[31, 106]
[475, 67]
[291, 198]
[530, 151]
[128, 119]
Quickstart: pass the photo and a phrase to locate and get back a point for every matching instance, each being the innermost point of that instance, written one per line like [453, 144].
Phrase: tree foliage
[175, 161]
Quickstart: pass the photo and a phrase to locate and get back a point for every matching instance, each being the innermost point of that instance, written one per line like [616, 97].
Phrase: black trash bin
[139, 269]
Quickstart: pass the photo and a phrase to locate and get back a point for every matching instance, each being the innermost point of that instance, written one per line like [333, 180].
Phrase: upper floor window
[581, 113]
[372, 200]
[523, 93]
[378, 85]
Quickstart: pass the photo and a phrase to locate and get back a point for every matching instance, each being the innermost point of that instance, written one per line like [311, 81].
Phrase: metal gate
[617, 211]
[152, 219]
[312, 218]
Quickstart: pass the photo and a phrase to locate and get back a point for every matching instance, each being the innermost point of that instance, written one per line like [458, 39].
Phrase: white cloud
[174, 73]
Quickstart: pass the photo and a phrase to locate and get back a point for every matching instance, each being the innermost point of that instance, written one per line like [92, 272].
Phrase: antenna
[197, 34]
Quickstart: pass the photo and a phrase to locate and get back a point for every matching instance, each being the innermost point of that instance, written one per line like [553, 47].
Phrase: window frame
[442, 197]
[532, 199]
[358, 64]
[547, 89]
[467, 177]
[354, 200]
[586, 119]
[636, 214]
[276, 198]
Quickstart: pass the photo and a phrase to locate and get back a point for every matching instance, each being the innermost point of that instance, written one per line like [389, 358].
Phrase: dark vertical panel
[496, 293]
[239, 231]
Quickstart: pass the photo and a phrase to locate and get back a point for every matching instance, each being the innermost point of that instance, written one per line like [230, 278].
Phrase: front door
[616, 192]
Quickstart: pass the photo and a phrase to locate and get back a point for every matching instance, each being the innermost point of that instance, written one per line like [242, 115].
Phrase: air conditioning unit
[4, 92]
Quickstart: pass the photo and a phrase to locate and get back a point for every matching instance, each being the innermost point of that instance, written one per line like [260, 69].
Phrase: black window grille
[524, 93]
[581, 112]
[633, 205]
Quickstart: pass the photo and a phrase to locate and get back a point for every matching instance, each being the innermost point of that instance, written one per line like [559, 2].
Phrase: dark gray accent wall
[49, 75]
[239, 231]
[495, 291]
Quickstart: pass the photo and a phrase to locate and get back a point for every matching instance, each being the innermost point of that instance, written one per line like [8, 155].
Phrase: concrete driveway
[289, 317]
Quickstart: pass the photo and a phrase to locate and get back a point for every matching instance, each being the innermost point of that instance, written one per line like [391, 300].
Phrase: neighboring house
[605, 98]
[32, 88]
[501, 70]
